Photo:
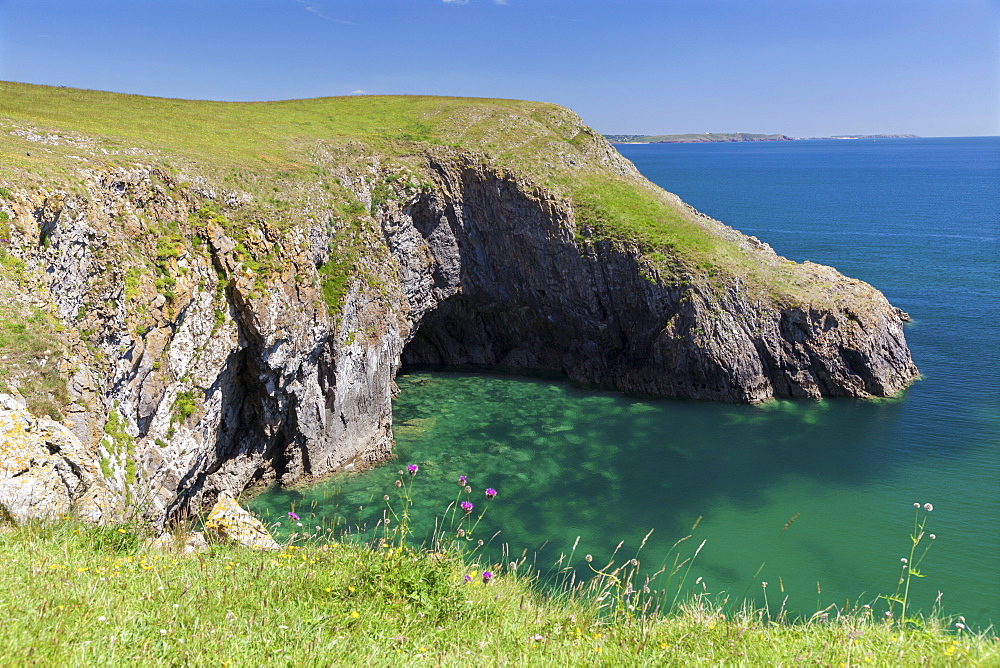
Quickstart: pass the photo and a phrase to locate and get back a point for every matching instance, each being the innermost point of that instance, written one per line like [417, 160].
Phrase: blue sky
[801, 67]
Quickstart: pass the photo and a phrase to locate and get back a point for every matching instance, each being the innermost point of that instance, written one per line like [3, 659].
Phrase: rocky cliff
[200, 333]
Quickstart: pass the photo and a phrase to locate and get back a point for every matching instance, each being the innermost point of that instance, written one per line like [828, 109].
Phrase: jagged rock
[45, 472]
[228, 521]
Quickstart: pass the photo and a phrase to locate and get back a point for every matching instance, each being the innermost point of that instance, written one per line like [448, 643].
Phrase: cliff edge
[217, 295]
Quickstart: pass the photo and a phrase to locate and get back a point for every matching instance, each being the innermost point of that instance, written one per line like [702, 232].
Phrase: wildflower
[928, 507]
[399, 483]
[461, 533]
[466, 507]
[468, 490]
[589, 558]
[468, 578]
[385, 497]
[764, 585]
[932, 536]
[413, 468]
[355, 614]
[293, 516]
[102, 618]
[487, 576]
[538, 637]
[959, 625]
[490, 493]
[283, 627]
[916, 505]
[462, 481]
[163, 632]
[903, 560]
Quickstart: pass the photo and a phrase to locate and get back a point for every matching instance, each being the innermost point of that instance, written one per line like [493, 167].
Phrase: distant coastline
[734, 137]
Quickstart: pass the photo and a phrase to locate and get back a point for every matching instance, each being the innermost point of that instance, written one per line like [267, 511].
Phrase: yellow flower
[350, 589]
[327, 590]
[355, 614]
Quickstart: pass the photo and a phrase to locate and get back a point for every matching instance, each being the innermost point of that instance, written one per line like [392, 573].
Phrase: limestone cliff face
[494, 274]
[195, 373]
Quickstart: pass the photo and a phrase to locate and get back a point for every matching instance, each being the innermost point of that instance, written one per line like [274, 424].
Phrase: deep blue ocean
[917, 218]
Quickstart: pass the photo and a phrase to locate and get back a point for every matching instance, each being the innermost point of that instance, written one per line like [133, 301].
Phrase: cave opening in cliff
[464, 331]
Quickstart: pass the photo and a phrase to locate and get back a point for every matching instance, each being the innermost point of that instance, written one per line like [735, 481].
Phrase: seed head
[399, 483]
[928, 507]
[916, 505]
[468, 490]
[385, 497]
[589, 558]
[932, 536]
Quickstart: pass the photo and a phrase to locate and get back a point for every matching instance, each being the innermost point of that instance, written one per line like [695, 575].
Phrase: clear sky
[799, 67]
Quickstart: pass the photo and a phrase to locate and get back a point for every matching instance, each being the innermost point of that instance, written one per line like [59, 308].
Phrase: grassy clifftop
[273, 151]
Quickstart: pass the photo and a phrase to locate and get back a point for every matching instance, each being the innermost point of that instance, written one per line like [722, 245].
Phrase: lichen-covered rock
[228, 521]
[45, 472]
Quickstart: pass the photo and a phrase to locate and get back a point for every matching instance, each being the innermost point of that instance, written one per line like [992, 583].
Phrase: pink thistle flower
[466, 507]
[490, 493]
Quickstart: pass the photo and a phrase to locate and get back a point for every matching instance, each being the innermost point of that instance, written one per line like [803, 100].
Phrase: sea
[801, 506]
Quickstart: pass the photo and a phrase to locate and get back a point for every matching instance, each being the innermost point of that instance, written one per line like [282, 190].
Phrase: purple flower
[468, 578]
[490, 492]
[293, 516]
[487, 576]
[413, 468]
[461, 481]
[466, 507]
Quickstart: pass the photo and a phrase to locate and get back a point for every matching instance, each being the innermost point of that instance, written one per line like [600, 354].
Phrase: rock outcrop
[228, 521]
[211, 343]
[45, 472]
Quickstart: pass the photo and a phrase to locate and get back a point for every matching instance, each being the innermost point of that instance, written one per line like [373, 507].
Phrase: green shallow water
[573, 462]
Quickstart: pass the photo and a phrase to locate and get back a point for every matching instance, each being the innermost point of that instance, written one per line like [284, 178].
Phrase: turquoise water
[918, 219]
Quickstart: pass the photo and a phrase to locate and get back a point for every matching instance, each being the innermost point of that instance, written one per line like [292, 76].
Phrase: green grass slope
[77, 595]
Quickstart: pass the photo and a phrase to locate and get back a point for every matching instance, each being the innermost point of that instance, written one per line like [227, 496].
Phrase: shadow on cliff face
[507, 285]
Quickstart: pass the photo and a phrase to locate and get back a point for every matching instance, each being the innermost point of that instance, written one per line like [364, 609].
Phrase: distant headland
[733, 137]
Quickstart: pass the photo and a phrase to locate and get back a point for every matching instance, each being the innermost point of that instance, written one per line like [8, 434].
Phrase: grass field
[72, 595]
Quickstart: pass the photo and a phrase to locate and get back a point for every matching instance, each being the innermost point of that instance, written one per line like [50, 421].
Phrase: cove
[916, 218]
[571, 461]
